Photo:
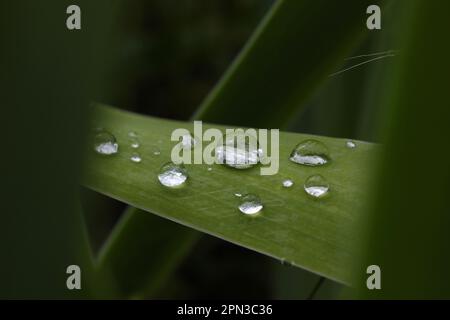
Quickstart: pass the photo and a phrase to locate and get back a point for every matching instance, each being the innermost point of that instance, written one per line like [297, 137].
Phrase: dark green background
[162, 58]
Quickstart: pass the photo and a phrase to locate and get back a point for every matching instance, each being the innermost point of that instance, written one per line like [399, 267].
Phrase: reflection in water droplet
[250, 204]
[188, 141]
[132, 134]
[135, 157]
[172, 175]
[105, 143]
[239, 151]
[237, 194]
[287, 183]
[350, 144]
[135, 143]
[316, 186]
[155, 150]
[310, 153]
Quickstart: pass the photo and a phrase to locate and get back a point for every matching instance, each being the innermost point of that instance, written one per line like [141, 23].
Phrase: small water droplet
[350, 144]
[310, 153]
[135, 157]
[287, 183]
[155, 150]
[250, 204]
[132, 134]
[105, 143]
[172, 175]
[316, 186]
[209, 169]
[188, 141]
[135, 143]
[237, 194]
[238, 151]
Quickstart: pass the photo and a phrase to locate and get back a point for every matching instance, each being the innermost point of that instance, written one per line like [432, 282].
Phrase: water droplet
[238, 151]
[172, 175]
[133, 138]
[135, 157]
[316, 186]
[350, 144]
[310, 153]
[155, 150]
[135, 143]
[209, 169]
[250, 204]
[188, 141]
[237, 194]
[287, 183]
[105, 143]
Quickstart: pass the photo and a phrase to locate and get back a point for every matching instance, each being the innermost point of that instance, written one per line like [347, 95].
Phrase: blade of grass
[312, 234]
[407, 231]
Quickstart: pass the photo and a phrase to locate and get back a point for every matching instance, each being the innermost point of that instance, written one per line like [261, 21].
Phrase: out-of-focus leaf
[297, 45]
[408, 230]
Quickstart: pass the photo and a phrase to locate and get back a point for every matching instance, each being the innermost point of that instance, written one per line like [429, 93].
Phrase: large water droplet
[316, 186]
[105, 143]
[238, 151]
[310, 153]
[250, 204]
[350, 144]
[188, 141]
[287, 183]
[172, 175]
[135, 157]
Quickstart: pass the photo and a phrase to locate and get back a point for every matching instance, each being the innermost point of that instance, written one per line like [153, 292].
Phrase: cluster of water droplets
[135, 144]
[287, 183]
[234, 152]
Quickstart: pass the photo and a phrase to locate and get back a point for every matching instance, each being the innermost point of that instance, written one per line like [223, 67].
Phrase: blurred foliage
[170, 53]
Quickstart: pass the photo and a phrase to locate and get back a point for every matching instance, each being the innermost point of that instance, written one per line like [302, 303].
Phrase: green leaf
[296, 46]
[152, 247]
[408, 230]
[313, 234]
